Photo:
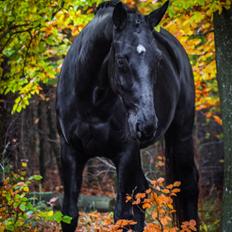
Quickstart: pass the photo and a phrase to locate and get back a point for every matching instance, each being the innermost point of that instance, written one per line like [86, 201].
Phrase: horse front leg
[72, 167]
[130, 179]
[181, 166]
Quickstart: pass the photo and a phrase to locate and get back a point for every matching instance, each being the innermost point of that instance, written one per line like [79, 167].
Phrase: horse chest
[94, 136]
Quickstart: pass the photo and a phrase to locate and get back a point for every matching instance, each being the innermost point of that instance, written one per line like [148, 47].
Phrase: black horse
[123, 86]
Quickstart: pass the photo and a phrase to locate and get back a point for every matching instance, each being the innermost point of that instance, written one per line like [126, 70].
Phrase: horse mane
[104, 29]
[106, 4]
[113, 3]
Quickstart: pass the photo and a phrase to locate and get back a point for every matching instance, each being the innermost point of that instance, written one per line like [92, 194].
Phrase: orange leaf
[128, 198]
[165, 191]
[217, 119]
[170, 186]
[140, 195]
[146, 205]
[148, 191]
[137, 202]
[154, 215]
[176, 190]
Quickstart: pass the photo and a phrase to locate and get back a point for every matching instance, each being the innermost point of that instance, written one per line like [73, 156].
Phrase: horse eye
[120, 62]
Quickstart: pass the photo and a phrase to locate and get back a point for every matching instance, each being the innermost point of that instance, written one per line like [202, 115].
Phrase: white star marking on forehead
[141, 49]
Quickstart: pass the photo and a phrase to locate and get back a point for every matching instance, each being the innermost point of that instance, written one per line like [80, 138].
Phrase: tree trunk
[85, 202]
[44, 154]
[223, 43]
[53, 136]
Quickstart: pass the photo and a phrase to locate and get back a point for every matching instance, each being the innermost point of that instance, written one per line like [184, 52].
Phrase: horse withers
[122, 86]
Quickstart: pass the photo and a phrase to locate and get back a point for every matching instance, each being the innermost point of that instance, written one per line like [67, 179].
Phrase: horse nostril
[145, 131]
[149, 130]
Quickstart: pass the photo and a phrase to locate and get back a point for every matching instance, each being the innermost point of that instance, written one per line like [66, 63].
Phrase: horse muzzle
[146, 130]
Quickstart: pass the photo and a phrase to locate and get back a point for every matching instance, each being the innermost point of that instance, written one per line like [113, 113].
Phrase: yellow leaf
[50, 213]
[26, 189]
[177, 184]
[24, 164]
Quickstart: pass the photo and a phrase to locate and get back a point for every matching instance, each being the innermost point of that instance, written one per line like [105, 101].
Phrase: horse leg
[72, 168]
[131, 179]
[180, 166]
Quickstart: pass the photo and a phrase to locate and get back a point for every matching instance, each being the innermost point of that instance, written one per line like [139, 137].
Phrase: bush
[18, 210]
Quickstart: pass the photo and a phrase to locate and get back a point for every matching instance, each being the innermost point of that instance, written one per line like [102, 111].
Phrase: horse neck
[92, 46]
[95, 42]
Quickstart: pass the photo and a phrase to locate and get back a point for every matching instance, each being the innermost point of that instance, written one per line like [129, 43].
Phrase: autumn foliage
[20, 211]
[158, 201]
[36, 37]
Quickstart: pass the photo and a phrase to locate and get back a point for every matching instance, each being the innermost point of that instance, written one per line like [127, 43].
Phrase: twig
[106, 162]
[3, 156]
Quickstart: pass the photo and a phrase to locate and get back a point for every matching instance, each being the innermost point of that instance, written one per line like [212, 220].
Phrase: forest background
[34, 39]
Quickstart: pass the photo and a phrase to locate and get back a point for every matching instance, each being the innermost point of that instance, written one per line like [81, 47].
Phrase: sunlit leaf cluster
[35, 36]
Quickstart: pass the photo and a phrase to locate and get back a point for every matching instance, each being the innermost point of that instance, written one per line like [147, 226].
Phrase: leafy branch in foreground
[20, 211]
[159, 203]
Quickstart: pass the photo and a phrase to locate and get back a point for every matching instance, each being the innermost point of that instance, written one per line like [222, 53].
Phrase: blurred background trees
[34, 38]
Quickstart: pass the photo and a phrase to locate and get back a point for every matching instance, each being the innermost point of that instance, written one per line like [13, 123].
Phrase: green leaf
[58, 216]
[22, 207]
[9, 224]
[36, 177]
[67, 219]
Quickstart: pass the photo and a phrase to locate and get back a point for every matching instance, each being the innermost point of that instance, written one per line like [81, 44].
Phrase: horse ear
[119, 16]
[155, 17]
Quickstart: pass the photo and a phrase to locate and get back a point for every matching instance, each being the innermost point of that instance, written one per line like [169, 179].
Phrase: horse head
[134, 65]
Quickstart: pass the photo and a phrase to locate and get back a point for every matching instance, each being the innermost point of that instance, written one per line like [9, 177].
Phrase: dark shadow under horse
[122, 86]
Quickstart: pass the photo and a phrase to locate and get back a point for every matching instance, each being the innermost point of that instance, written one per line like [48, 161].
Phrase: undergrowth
[21, 211]
[157, 201]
